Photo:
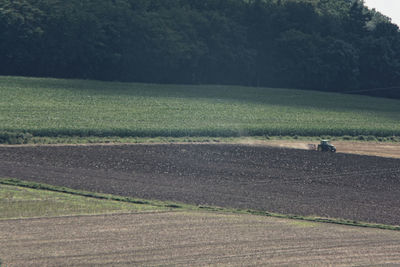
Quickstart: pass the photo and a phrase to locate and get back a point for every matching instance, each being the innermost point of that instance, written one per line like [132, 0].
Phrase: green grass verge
[37, 199]
[39, 107]
[146, 205]
[26, 202]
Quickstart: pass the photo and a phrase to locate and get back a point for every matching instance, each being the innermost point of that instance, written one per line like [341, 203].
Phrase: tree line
[331, 45]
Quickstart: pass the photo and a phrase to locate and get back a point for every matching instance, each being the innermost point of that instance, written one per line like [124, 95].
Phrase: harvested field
[289, 181]
[191, 239]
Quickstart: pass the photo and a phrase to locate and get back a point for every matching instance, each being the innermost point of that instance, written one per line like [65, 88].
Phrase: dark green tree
[312, 44]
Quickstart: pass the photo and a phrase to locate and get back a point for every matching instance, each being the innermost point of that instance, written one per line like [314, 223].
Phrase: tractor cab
[326, 146]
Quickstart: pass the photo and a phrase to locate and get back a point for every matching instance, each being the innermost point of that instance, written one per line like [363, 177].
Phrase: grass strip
[182, 206]
[61, 189]
[18, 202]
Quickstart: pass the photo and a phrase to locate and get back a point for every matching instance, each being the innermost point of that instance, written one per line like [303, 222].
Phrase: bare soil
[191, 239]
[289, 181]
[370, 148]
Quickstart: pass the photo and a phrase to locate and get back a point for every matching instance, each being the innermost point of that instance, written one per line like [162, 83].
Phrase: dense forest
[332, 45]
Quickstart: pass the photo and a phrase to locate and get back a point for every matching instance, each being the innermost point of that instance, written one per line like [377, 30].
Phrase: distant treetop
[335, 45]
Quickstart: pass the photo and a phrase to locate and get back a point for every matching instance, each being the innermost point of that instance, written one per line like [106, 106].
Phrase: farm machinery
[323, 146]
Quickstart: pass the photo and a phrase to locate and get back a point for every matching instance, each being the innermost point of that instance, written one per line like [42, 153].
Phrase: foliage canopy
[335, 45]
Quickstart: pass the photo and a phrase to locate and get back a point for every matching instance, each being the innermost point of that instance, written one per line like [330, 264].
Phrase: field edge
[28, 139]
[187, 207]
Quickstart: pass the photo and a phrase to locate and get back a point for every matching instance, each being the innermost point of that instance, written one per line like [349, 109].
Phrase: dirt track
[191, 239]
[389, 150]
[280, 180]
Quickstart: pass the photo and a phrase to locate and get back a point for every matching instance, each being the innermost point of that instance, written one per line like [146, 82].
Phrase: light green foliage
[55, 107]
[22, 202]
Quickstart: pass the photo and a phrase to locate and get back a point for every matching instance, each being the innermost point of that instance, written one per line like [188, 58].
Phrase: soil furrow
[290, 181]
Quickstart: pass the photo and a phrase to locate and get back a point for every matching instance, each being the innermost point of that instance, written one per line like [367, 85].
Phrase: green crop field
[57, 107]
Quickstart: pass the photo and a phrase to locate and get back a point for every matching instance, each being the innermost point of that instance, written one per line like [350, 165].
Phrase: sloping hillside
[56, 107]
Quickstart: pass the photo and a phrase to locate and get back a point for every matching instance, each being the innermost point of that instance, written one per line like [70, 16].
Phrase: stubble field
[192, 239]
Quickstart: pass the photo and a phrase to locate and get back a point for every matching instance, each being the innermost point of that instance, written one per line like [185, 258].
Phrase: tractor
[326, 146]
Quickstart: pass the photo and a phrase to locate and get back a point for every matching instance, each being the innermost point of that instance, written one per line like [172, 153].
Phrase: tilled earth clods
[290, 181]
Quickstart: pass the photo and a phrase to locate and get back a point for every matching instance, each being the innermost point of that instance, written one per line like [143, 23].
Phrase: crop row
[51, 107]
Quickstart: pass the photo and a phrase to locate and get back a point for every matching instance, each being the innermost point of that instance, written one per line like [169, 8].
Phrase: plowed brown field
[290, 181]
[192, 239]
